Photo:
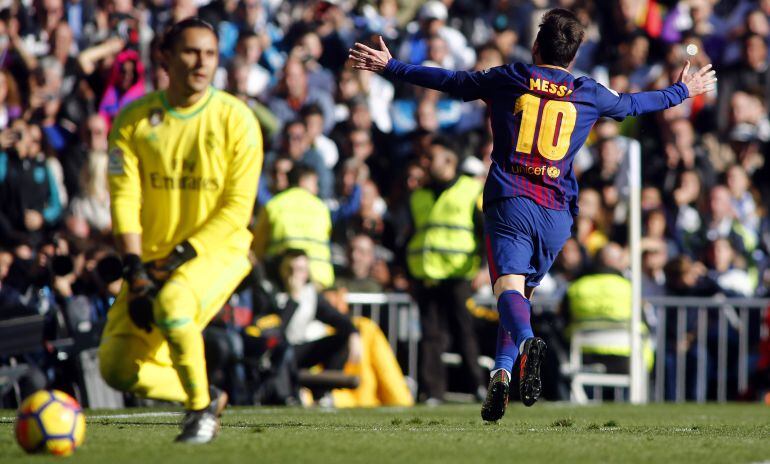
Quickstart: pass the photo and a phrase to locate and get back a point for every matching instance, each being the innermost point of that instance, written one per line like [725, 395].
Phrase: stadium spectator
[685, 211]
[370, 219]
[397, 219]
[249, 51]
[655, 231]
[379, 94]
[237, 84]
[125, 84]
[313, 117]
[92, 138]
[633, 62]
[359, 274]
[432, 19]
[359, 147]
[600, 301]
[10, 104]
[293, 92]
[508, 40]
[309, 50]
[654, 258]
[743, 201]
[29, 197]
[297, 144]
[683, 151]
[360, 347]
[361, 118]
[722, 222]
[223, 15]
[350, 177]
[306, 314]
[275, 179]
[297, 219]
[93, 204]
[751, 73]
[443, 257]
[606, 175]
[724, 269]
[591, 220]
[61, 47]
[348, 88]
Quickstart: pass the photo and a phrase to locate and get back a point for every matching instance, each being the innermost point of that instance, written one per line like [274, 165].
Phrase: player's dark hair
[559, 38]
[298, 172]
[174, 32]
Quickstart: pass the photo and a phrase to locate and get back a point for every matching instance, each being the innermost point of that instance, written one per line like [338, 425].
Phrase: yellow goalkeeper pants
[169, 363]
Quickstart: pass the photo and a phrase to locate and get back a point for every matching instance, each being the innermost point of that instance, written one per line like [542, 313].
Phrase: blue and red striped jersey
[540, 117]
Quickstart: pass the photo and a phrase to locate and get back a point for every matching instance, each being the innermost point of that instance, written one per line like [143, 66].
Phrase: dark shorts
[523, 238]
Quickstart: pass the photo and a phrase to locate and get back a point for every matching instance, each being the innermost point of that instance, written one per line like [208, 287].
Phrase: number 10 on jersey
[556, 121]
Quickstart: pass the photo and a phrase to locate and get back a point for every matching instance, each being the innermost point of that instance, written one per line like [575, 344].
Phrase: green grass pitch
[547, 432]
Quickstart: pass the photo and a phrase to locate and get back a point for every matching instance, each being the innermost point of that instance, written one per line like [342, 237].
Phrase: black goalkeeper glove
[141, 292]
[161, 269]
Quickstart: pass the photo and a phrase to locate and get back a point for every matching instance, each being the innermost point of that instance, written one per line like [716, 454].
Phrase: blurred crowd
[67, 67]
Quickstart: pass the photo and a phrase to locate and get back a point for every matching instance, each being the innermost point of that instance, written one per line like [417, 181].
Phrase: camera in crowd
[126, 27]
[109, 269]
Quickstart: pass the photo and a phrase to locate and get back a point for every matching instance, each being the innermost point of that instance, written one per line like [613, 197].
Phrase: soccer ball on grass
[50, 421]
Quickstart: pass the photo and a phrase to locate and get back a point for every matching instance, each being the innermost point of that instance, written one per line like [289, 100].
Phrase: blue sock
[506, 352]
[515, 313]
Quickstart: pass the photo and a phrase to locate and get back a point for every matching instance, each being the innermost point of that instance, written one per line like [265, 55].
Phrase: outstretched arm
[619, 106]
[467, 85]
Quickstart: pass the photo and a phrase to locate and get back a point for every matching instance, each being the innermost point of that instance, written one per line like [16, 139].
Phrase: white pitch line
[227, 412]
[113, 416]
[134, 415]
[92, 417]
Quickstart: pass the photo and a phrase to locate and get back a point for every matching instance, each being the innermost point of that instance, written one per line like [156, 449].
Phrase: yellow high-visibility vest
[300, 220]
[444, 244]
[603, 301]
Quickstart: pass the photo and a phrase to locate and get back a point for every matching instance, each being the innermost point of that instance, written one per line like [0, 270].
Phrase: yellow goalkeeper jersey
[181, 174]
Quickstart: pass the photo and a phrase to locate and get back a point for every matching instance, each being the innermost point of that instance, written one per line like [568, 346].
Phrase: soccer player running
[183, 170]
[540, 116]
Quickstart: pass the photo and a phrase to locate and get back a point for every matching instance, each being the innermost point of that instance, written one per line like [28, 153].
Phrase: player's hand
[140, 308]
[141, 292]
[369, 59]
[701, 81]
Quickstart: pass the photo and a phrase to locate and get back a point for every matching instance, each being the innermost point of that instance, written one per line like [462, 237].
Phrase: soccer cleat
[532, 358]
[202, 426]
[497, 397]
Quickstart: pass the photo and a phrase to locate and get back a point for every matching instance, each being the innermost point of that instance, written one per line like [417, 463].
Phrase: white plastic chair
[581, 378]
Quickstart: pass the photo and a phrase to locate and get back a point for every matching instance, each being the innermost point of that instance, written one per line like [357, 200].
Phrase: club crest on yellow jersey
[156, 116]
